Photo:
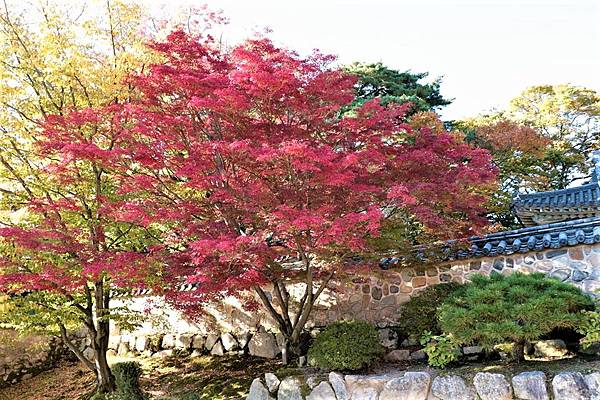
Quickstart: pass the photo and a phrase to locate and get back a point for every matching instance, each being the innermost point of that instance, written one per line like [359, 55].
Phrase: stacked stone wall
[377, 298]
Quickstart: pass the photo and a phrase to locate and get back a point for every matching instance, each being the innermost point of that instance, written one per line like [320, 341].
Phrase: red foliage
[257, 163]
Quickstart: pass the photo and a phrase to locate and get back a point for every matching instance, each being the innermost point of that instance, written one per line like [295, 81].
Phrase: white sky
[486, 50]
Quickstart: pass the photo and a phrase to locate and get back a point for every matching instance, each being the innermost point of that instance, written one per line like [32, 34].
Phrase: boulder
[217, 349]
[272, 382]
[368, 386]
[397, 355]
[88, 353]
[411, 386]
[570, 386]
[593, 383]
[388, 338]
[163, 353]
[258, 391]
[530, 386]
[263, 344]
[229, 342]
[123, 348]
[418, 355]
[198, 342]
[322, 391]
[290, 388]
[141, 342]
[168, 342]
[111, 353]
[365, 393]
[339, 386]
[492, 386]
[471, 350]
[452, 388]
[243, 339]
[210, 341]
[184, 341]
[113, 342]
[550, 348]
[312, 381]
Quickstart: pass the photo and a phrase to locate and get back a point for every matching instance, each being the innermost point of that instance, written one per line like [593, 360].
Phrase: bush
[346, 345]
[517, 308]
[419, 314]
[590, 329]
[441, 350]
[127, 378]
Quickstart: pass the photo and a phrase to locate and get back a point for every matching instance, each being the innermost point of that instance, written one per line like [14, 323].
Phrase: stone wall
[425, 385]
[376, 298]
[24, 357]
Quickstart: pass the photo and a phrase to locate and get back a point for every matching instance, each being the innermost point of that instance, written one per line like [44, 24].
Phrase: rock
[593, 383]
[451, 388]
[168, 342]
[258, 391]
[388, 338]
[418, 355]
[570, 386]
[89, 354]
[323, 391]
[198, 342]
[411, 386]
[123, 349]
[163, 353]
[243, 339]
[196, 353]
[530, 386]
[113, 342]
[184, 341]
[312, 382]
[339, 386]
[140, 343]
[469, 350]
[263, 344]
[550, 348]
[290, 389]
[492, 386]
[397, 355]
[111, 353]
[272, 382]
[217, 349]
[229, 342]
[210, 341]
[365, 393]
[359, 385]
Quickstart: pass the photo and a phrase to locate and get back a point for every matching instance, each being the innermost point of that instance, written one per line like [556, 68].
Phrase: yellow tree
[57, 60]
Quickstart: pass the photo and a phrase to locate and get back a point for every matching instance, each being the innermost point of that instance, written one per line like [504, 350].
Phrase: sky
[486, 51]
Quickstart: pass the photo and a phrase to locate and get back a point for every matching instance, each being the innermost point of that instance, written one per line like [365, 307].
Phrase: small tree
[517, 308]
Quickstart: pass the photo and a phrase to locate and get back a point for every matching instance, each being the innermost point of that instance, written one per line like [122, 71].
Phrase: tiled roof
[534, 238]
[558, 205]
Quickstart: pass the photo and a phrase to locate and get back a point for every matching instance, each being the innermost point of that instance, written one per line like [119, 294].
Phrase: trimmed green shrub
[419, 314]
[127, 378]
[517, 308]
[441, 350]
[346, 345]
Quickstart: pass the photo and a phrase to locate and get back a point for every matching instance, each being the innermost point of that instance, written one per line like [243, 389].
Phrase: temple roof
[530, 239]
[561, 205]
[558, 205]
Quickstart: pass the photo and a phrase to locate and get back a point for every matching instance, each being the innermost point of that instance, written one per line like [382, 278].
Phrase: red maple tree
[262, 179]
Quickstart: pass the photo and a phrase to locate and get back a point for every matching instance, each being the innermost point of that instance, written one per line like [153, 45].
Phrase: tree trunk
[518, 352]
[105, 378]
